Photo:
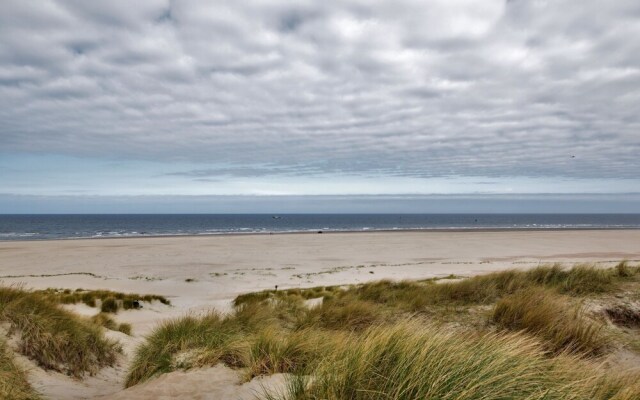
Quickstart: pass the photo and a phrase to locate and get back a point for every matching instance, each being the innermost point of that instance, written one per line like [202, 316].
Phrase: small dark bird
[573, 156]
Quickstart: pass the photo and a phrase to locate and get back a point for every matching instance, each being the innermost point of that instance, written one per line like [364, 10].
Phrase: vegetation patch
[54, 338]
[109, 301]
[104, 320]
[13, 380]
[562, 327]
[410, 361]
[505, 335]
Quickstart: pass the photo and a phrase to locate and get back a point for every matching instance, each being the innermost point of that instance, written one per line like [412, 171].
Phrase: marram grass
[413, 361]
[13, 380]
[379, 340]
[55, 338]
[561, 326]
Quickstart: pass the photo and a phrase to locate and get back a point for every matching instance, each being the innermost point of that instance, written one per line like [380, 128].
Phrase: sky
[161, 104]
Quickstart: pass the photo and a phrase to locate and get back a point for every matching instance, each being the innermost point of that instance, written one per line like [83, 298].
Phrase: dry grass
[561, 326]
[13, 380]
[359, 344]
[274, 351]
[54, 338]
[104, 320]
[110, 301]
[343, 314]
[413, 296]
[410, 361]
[208, 339]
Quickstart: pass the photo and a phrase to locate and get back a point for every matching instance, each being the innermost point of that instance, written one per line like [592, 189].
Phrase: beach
[227, 265]
[200, 273]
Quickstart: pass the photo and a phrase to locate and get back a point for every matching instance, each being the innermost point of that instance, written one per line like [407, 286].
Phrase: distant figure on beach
[276, 288]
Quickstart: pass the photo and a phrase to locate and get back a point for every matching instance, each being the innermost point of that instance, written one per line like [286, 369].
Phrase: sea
[46, 227]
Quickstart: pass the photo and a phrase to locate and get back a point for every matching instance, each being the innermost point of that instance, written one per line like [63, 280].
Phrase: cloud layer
[380, 88]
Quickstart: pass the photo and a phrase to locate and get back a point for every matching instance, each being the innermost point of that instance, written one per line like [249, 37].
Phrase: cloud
[391, 88]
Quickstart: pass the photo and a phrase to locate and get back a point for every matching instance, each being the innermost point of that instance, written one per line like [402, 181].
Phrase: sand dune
[200, 273]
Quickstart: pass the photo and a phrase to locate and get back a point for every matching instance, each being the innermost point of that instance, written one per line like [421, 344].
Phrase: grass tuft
[380, 340]
[93, 297]
[550, 317]
[54, 338]
[207, 340]
[412, 361]
[13, 380]
[109, 305]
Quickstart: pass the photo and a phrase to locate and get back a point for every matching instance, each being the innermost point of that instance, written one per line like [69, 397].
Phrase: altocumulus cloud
[381, 88]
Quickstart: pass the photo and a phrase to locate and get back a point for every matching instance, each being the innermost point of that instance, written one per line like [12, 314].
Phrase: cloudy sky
[203, 98]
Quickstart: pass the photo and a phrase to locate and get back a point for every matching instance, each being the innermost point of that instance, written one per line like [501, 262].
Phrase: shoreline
[328, 232]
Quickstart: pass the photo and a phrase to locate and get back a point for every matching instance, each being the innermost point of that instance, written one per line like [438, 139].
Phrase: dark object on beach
[136, 304]
[319, 231]
[624, 315]
[276, 288]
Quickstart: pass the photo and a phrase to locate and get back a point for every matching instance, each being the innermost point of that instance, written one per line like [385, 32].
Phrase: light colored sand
[225, 266]
[216, 383]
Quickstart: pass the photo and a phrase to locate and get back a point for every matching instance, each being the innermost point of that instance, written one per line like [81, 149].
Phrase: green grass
[561, 326]
[104, 320]
[424, 339]
[115, 300]
[274, 351]
[54, 338]
[13, 380]
[343, 314]
[206, 340]
[483, 289]
[410, 361]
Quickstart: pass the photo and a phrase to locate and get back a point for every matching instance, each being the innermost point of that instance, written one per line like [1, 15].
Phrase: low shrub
[124, 328]
[109, 305]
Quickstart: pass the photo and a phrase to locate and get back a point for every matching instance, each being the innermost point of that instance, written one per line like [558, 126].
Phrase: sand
[199, 273]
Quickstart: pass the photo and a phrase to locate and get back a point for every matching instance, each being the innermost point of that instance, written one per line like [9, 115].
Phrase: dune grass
[104, 320]
[415, 296]
[561, 326]
[13, 380]
[410, 361]
[381, 339]
[274, 351]
[54, 338]
[108, 300]
[207, 339]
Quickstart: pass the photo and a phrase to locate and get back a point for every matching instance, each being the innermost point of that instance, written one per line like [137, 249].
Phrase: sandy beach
[201, 273]
[197, 271]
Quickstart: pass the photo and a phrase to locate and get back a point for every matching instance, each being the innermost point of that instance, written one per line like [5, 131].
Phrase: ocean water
[38, 227]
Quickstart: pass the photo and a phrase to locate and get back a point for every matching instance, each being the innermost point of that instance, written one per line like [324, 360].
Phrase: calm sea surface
[34, 227]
